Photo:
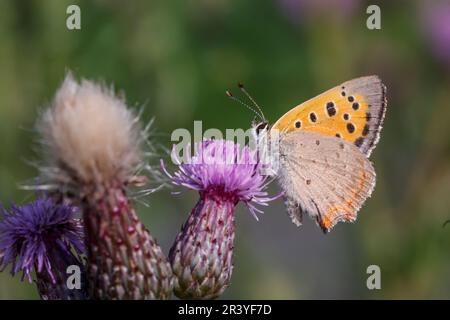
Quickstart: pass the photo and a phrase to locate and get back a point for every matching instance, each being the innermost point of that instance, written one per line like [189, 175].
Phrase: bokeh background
[178, 57]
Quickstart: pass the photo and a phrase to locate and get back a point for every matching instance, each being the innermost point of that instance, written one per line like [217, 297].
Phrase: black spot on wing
[350, 127]
[359, 142]
[331, 109]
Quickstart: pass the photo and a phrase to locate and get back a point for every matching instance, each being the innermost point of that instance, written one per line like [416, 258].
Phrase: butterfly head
[260, 127]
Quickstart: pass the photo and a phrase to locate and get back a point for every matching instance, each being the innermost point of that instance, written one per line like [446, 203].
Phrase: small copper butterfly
[324, 146]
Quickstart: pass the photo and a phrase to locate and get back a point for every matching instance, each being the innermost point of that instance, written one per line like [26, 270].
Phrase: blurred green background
[178, 57]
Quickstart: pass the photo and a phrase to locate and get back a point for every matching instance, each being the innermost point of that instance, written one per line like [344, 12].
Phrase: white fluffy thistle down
[90, 135]
[92, 142]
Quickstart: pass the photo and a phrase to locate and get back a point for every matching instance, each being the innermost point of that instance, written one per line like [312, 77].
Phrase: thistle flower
[93, 147]
[202, 255]
[46, 238]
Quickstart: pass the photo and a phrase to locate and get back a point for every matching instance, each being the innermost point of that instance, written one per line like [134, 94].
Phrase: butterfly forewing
[329, 178]
[353, 111]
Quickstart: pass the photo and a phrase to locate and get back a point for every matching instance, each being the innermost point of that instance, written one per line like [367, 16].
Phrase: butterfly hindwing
[327, 177]
[353, 111]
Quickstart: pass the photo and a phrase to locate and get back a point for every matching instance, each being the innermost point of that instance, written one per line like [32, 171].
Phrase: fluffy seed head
[89, 134]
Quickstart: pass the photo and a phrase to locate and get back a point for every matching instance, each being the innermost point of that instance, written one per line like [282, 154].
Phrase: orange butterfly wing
[353, 111]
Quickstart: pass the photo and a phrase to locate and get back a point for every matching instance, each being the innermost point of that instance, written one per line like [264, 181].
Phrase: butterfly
[324, 149]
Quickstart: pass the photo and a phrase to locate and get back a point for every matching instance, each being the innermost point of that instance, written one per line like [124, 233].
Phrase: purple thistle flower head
[37, 236]
[224, 174]
[221, 169]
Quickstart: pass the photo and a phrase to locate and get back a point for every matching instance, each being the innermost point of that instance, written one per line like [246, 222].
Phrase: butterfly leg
[294, 210]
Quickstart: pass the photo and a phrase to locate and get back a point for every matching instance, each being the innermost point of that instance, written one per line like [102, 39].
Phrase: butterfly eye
[260, 127]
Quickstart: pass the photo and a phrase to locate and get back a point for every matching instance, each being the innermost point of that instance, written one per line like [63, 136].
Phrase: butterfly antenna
[242, 88]
[232, 97]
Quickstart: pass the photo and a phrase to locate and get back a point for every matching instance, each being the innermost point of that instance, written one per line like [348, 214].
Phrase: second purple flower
[202, 255]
